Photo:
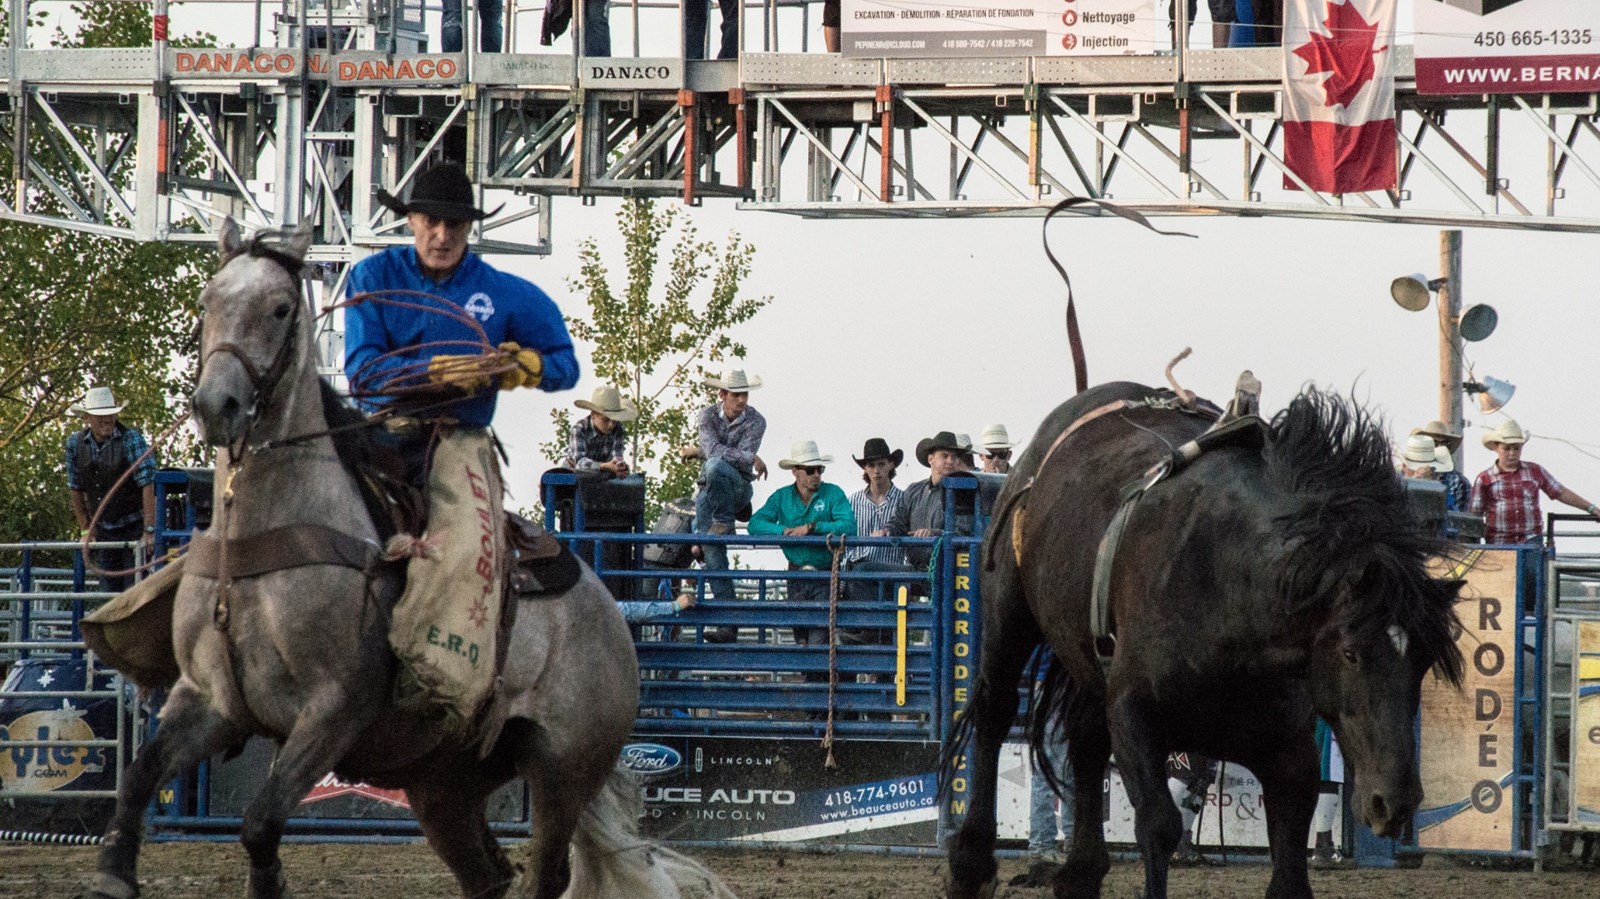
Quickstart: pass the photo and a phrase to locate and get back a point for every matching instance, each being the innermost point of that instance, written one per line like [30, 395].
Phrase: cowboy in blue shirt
[393, 345]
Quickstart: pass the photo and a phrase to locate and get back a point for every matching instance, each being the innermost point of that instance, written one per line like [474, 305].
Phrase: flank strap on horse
[1248, 431]
[278, 549]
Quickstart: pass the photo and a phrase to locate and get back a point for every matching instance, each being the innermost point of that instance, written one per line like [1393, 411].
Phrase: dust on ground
[387, 871]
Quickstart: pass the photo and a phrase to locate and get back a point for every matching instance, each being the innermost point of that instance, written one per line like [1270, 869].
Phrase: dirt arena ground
[342, 871]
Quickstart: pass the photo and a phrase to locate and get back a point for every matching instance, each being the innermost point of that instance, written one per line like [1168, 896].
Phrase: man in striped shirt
[874, 507]
[875, 504]
[1506, 494]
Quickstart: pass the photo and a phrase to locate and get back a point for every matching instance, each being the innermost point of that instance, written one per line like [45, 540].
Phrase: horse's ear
[299, 241]
[228, 240]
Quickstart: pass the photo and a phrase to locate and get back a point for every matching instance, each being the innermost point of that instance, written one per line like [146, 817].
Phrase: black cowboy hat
[943, 440]
[878, 448]
[443, 192]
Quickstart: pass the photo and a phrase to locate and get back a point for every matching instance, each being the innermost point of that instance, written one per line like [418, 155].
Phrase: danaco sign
[356, 68]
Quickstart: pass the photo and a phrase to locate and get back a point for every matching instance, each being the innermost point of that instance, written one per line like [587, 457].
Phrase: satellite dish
[1478, 322]
[1495, 394]
[1411, 292]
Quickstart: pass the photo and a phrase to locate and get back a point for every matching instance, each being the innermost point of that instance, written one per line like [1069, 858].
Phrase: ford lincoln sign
[651, 759]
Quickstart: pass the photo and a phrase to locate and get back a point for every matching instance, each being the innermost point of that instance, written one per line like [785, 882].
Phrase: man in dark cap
[921, 512]
[425, 337]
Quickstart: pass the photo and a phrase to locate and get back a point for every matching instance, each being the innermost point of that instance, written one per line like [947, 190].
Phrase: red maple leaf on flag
[1346, 55]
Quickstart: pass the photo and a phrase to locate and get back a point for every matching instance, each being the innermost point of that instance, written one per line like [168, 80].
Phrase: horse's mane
[259, 247]
[1354, 540]
[359, 450]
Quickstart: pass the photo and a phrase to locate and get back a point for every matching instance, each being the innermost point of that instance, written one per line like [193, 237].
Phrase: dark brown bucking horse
[1270, 580]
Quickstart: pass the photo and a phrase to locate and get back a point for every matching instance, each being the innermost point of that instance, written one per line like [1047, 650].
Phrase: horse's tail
[611, 859]
[952, 757]
[1054, 703]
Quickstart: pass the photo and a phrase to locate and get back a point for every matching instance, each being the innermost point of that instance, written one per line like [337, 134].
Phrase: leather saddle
[540, 564]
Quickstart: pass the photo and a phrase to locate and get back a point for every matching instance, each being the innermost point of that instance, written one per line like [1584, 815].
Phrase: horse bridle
[262, 384]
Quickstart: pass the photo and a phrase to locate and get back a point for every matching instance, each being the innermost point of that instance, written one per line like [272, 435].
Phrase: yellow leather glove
[464, 371]
[530, 367]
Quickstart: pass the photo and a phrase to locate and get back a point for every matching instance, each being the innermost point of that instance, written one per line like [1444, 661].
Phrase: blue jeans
[596, 27]
[723, 492]
[1042, 813]
[491, 26]
[697, 15]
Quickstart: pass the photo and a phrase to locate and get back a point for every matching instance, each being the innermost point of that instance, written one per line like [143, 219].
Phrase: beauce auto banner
[945, 28]
[1507, 46]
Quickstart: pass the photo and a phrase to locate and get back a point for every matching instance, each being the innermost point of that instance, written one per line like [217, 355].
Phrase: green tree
[656, 342]
[78, 310]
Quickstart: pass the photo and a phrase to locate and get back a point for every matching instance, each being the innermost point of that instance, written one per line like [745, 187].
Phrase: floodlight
[1477, 323]
[1493, 393]
[1412, 292]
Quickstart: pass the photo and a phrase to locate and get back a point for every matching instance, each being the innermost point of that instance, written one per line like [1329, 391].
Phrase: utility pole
[1451, 375]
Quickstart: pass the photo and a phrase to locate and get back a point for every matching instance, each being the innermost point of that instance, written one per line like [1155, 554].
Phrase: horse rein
[262, 384]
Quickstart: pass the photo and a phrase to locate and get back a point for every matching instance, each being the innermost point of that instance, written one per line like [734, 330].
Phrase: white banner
[1507, 46]
[945, 28]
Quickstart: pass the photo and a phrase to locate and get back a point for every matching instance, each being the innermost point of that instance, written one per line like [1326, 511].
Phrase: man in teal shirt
[807, 507]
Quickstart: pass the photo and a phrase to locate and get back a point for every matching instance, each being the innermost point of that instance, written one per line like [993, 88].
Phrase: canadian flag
[1338, 76]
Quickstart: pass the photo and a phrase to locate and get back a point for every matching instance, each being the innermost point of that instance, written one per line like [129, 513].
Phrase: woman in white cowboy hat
[1506, 493]
[600, 439]
[97, 456]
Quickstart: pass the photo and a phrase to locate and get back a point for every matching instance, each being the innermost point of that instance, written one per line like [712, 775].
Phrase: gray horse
[300, 654]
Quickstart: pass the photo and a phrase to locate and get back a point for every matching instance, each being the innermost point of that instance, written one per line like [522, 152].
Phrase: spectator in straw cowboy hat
[995, 445]
[806, 508]
[1506, 493]
[921, 512]
[1455, 485]
[600, 439]
[1420, 460]
[427, 337]
[730, 433]
[97, 457]
[1419, 457]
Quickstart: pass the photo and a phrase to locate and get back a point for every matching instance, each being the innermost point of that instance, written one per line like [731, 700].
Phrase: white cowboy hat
[734, 380]
[1508, 432]
[964, 442]
[994, 437]
[609, 402]
[98, 401]
[1440, 432]
[1443, 463]
[1420, 451]
[804, 454]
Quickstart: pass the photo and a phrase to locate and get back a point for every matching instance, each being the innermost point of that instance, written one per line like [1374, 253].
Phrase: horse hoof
[954, 890]
[1039, 874]
[109, 886]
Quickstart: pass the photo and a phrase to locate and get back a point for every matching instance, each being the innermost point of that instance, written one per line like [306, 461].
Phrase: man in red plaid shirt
[1506, 494]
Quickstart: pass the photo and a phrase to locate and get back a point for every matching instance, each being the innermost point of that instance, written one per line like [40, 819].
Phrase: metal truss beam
[112, 143]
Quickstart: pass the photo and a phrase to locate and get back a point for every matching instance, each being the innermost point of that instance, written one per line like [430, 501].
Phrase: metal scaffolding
[162, 143]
